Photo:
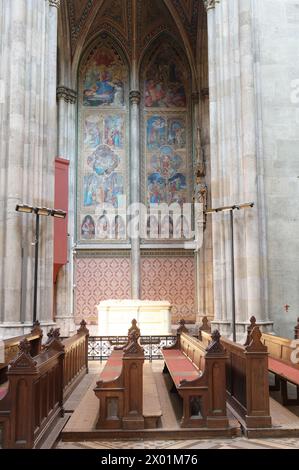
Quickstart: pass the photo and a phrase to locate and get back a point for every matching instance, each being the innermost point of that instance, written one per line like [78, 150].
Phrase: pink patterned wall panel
[172, 279]
[99, 279]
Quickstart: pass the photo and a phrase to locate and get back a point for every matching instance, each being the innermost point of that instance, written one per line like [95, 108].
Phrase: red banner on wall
[60, 225]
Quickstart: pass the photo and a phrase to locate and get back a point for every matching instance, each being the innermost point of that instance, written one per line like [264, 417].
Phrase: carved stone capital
[134, 97]
[66, 94]
[210, 4]
[54, 3]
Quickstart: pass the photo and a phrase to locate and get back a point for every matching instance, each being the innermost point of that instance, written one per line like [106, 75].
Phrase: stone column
[135, 189]
[234, 166]
[64, 308]
[28, 136]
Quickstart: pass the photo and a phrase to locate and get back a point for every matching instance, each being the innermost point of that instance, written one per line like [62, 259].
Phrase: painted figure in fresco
[152, 227]
[167, 227]
[90, 190]
[103, 227]
[155, 132]
[118, 228]
[88, 228]
[164, 82]
[103, 160]
[113, 188]
[182, 228]
[92, 134]
[104, 79]
[166, 183]
[114, 131]
[176, 133]
[156, 188]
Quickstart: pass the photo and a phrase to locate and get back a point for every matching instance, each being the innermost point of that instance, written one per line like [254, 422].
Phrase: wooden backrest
[194, 350]
[11, 348]
[279, 348]
[247, 390]
[34, 397]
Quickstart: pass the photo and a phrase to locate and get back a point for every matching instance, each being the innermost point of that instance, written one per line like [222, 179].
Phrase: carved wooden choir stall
[42, 381]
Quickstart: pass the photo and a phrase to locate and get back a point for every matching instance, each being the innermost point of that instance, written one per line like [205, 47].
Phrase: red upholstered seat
[113, 367]
[179, 366]
[284, 370]
[3, 390]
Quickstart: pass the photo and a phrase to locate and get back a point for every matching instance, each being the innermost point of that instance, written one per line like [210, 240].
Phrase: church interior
[149, 243]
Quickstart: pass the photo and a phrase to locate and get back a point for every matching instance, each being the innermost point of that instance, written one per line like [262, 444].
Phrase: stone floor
[235, 443]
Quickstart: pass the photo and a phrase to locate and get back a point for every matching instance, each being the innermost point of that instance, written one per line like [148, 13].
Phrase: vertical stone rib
[28, 136]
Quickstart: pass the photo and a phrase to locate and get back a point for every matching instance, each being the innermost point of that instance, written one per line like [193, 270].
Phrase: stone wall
[276, 33]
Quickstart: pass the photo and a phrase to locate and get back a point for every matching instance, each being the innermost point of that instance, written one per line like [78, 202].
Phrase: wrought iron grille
[100, 347]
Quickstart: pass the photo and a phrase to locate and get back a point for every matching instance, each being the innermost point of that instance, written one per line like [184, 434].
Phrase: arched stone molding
[186, 42]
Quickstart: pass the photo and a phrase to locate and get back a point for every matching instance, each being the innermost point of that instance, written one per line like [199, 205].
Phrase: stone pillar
[235, 171]
[135, 189]
[28, 136]
[64, 308]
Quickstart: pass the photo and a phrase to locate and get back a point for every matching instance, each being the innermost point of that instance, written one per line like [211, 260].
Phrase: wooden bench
[280, 364]
[122, 388]
[198, 374]
[247, 380]
[11, 349]
[42, 383]
[34, 397]
[75, 361]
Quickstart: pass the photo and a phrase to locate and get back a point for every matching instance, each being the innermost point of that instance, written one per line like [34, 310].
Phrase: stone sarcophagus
[152, 316]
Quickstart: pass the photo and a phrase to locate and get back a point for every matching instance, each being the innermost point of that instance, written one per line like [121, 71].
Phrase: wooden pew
[247, 379]
[120, 387]
[11, 348]
[280, 364]
[198, 374]
[281, 352]
[43, 382]
[205, 326]
[34, 398]
[75, 361]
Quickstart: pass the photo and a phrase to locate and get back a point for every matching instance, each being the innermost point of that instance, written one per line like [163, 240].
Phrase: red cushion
[179, 366]
[113, 367]
[3, 390]
[283, 369]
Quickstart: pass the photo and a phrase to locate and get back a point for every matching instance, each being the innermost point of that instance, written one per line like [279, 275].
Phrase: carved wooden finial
[54, 333]
[133, 346]
[83, 328]
[182, 328]
[23, 361]
[36, 329]
[215, 346]
[25, 347]
[255, 343]
[134, 327]
[252, 321]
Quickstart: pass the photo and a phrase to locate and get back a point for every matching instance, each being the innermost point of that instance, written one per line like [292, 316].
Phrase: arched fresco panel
[102, 144]
[167, 154]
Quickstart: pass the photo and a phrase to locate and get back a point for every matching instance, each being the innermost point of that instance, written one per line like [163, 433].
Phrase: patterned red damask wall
[172, 279]
[99, 279]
